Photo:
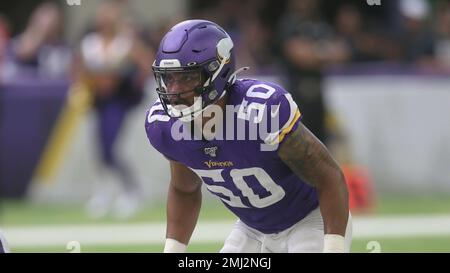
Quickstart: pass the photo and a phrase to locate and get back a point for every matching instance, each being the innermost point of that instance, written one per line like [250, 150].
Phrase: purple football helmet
[198, 55]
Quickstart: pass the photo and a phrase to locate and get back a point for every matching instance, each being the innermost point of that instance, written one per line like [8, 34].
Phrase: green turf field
[422, 244]
[28, 214]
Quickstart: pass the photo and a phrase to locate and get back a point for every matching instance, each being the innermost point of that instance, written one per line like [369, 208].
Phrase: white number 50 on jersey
[276, 193]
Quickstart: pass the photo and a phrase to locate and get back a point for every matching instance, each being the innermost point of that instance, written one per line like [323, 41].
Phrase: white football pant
[305, 236]
[3, 245]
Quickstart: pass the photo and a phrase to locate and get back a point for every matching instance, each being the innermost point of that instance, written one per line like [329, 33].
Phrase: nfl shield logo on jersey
[211, 151]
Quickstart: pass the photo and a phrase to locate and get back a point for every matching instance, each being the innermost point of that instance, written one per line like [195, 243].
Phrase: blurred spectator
[308, 45]
[442, 26]
[249, 25]
[417, 38]
[115, 63]
[366, 44]
[253, 48]
[4, 39]
[40, 49]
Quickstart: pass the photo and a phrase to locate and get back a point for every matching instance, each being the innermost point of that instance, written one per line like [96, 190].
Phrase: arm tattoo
[307, 156]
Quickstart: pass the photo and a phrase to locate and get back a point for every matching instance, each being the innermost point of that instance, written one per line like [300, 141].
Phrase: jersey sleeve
[283, 117]
[155, 120]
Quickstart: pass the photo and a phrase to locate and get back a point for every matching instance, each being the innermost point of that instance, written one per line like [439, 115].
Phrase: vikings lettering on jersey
[244, 170]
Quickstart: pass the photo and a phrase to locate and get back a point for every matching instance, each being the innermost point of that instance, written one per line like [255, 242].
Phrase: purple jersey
[252, 181]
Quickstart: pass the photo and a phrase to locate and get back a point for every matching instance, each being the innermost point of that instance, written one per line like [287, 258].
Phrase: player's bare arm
[309, 159]
[183, 202]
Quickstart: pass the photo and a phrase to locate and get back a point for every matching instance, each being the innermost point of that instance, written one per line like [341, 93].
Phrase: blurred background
[77, 172]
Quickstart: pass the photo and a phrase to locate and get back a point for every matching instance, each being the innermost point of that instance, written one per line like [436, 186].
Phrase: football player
[111, 60]
[288, 193]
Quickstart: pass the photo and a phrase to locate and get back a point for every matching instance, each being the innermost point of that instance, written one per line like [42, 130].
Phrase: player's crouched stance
[285, 188]
[3, 245]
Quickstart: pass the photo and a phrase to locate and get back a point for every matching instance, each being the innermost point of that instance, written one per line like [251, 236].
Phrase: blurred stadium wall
[397, 123]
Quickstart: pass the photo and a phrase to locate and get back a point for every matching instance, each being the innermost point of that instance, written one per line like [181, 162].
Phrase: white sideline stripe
[364, 227]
